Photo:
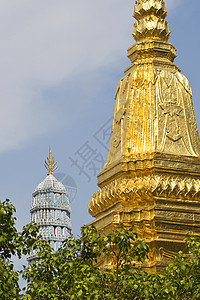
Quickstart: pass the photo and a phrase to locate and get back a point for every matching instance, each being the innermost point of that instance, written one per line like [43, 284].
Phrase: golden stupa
[151, 180]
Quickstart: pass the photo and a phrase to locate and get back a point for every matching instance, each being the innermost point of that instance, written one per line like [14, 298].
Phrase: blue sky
[60, 63]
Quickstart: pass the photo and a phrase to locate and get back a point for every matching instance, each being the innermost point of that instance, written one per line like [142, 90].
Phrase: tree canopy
[71, 272]
[12, 242]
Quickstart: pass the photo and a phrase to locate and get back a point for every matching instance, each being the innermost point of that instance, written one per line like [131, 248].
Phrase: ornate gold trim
[144, 188]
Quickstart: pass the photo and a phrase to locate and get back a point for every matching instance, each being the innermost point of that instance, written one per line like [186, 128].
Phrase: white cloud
[43, 43]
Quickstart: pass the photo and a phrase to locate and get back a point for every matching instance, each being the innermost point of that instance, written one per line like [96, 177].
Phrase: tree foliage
[12, 242]
[70, 272]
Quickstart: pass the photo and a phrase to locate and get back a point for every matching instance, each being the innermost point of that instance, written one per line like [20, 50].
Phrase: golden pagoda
[151, 180]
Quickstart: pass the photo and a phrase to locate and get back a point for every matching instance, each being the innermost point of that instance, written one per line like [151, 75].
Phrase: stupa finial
[151, 24]
[50, 164]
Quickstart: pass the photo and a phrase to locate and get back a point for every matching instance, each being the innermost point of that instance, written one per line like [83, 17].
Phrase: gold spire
[150, 15]
[50, 165]
[151, 180]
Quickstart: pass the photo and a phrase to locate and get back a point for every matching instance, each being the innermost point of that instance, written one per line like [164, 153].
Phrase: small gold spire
[50, 165]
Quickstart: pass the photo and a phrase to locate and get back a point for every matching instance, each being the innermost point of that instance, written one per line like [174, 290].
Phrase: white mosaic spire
[51, 211]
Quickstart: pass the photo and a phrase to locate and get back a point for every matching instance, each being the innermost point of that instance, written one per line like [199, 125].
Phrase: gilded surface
[173, 95]
[146, 187]
[151, 179]
[133, 121]
[153, 113]
[150, 23]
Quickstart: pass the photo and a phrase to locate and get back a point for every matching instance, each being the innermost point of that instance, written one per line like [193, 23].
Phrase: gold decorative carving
[166, 253]
[172, 111]
[154, 7]
[144, 188]
[173, 126]
[150, 23]
[118, 120]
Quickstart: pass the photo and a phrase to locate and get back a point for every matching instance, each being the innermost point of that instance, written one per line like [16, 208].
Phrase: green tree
[12, 242]
[70, 272]
[183, 274]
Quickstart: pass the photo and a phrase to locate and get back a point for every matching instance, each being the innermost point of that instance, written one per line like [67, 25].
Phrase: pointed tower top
[151, 24]
[50, 164]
